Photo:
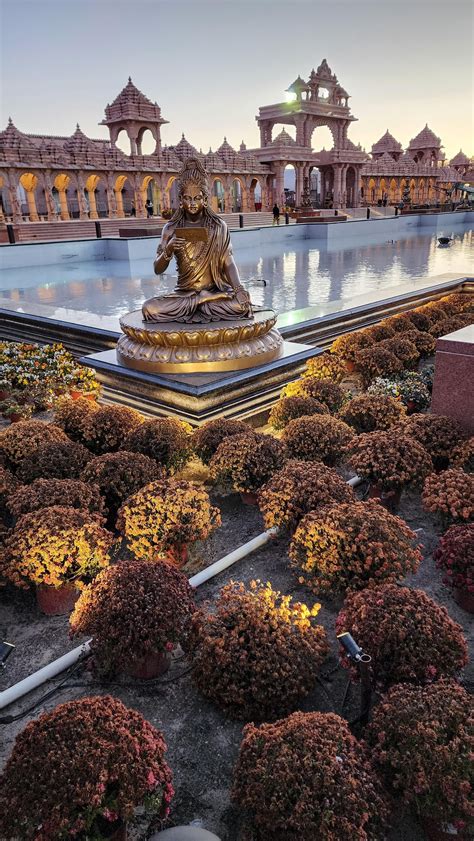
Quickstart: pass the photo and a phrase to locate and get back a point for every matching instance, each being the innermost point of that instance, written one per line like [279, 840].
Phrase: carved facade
[48, 177]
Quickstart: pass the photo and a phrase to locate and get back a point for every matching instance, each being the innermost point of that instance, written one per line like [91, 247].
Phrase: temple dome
[184, 149]
[225, 150]
[386, 144]
[283, 139]
[426, 139]
[131, 94]
[325, 72]
[79, 143]
[460, 159]
[13, 138]
[132, 104]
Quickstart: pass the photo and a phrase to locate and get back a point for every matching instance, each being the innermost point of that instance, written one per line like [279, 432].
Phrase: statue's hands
[242, 296]
[174, 244]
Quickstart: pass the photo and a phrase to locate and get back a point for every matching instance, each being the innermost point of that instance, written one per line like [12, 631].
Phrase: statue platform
[200, 396]
[176, 348]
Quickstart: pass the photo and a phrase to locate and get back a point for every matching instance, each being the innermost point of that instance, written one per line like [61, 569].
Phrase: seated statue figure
[209, 287]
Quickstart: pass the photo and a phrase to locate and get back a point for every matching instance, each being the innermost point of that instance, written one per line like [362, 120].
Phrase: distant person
[133, 211]
[384, 200]
[401, 205]
[276, 214]
[149, 208]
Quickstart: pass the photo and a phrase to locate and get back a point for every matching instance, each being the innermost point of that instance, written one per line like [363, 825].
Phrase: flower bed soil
[202, 743]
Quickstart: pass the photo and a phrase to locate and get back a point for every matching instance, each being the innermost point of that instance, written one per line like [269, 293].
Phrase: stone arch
[351, 182]
[326, 137]
[124, 195]
[237, 194]
[151, 189]
[171, 193]
[217, 195]
[413, 190]
[392, 192]
[146, 141]
[256, 194]
[431, 190]
[28, 183]
[371, 190]
[121, 139]
[382, 189]
[421, 190]
[289, 186]
[60, 187]
[94, 184]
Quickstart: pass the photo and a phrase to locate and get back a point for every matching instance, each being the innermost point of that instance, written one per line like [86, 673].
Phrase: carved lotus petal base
[193, 359]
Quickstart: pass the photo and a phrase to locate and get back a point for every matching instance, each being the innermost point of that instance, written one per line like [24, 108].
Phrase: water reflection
[298, 275]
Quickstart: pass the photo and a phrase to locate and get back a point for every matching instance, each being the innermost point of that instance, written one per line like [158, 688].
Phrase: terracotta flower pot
[464, 599]
[177, 555]
[74, 394]
[389, 499]
[151, 667]
[350, 366]
[249, 498]
[438, 831]
[56, 601]
[15, 418]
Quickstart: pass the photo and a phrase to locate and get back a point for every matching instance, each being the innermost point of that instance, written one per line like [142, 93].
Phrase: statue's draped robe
[200, 258]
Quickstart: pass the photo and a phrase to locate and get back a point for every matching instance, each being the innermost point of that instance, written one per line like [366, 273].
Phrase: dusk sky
[211, 63]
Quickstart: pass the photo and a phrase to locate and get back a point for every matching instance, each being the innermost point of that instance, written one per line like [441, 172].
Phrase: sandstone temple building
[49, 177]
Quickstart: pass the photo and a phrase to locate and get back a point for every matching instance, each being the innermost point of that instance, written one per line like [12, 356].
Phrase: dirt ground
[202, 743]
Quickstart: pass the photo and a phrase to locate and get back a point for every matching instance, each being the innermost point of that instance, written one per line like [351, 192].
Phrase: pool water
[298, 274]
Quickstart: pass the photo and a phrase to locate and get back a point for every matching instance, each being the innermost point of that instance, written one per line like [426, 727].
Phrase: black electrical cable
[9, 719]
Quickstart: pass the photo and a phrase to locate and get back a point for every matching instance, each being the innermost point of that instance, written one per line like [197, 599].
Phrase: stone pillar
[81, 199]
[138, 200]
[343, 193]
[279, 184]
[299, 183]
[32, 211]
[111, 200]
[92, 205]
[11, 185]
[337, 186]
[64, 210]
[119, 204]
[300, 121]
[49, 199]
[133, 144]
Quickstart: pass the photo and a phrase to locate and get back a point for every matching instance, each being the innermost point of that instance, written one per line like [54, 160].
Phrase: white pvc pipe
[232, 557]
[8, 696]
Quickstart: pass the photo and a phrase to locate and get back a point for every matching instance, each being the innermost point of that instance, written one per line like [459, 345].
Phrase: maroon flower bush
[133, 610]
[367, 412]
[296, 489]
[404, 349]
[9, 484]
[419, 318]
[376, 362]
[43, 493]
[348, 546]
[305, 778]
[108, 427]
[166, 440]
[439, 435]
[410, 638]
[348, 345]
[449, 494]
[317, 438]
[119, 475]
[388, 460]
[462, 456]
[54, 460]
[79, 769]
[455, 555]
[244, 463]
[21, 439]
[324, 390]
[399, 323]
[207, 438]
[257, 653]
[422, 742]
[289, 408]
[73, 416]
[450, 325]
[380, 332]
[425, 343]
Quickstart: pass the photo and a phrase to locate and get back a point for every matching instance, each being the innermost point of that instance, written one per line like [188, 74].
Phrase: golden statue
[209, 287]
[207, 324]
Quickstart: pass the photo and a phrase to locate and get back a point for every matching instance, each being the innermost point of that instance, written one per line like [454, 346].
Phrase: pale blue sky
[211, 63]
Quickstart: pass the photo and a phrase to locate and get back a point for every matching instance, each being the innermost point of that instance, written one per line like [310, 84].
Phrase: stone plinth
[176, 348]
[200, 396]
[453, 388]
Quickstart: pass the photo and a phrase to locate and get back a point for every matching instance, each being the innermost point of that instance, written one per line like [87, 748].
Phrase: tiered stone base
[176, 348]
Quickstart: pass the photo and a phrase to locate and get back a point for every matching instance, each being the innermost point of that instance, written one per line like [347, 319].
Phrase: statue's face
[193, 199]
